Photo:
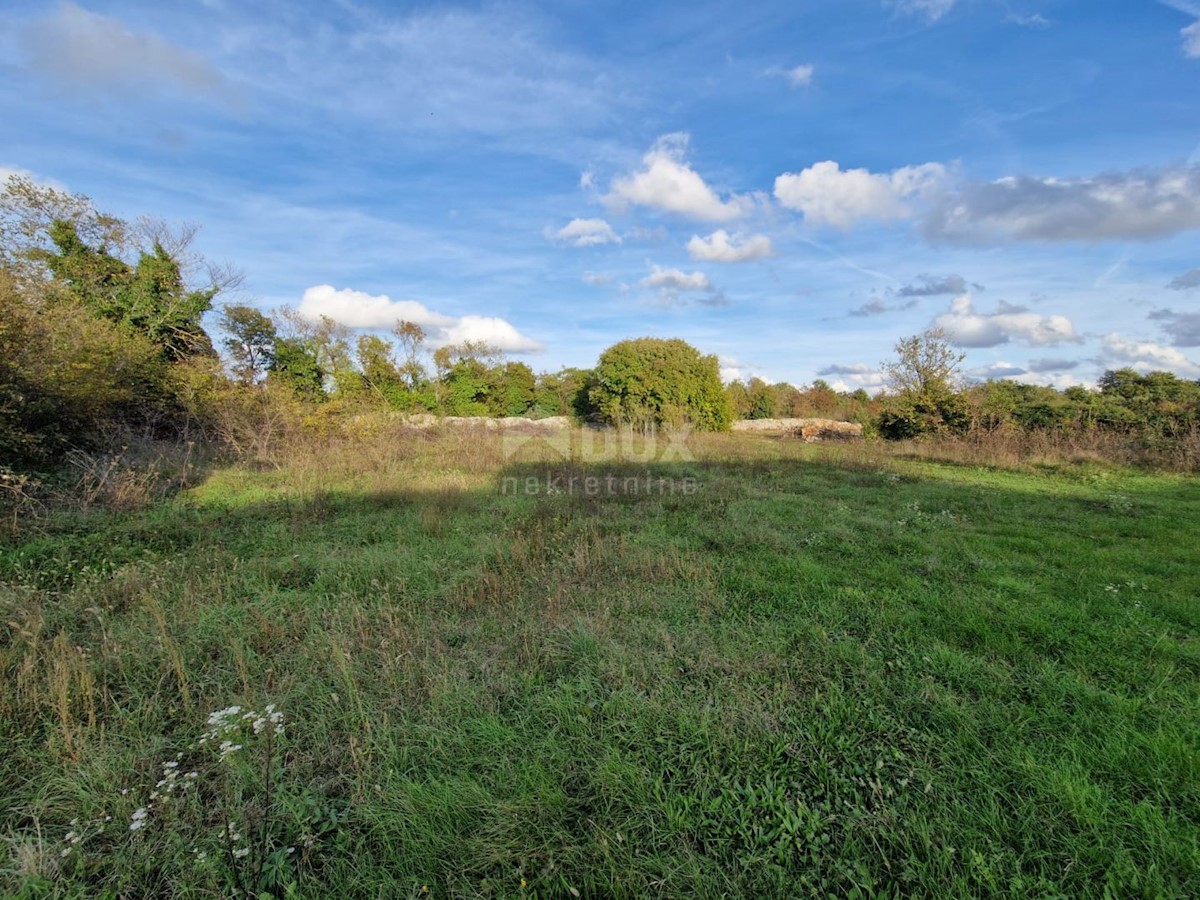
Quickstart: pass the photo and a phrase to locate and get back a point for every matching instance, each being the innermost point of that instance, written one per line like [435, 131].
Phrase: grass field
[823, 671]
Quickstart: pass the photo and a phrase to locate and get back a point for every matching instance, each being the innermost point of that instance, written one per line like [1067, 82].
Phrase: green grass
[824, 673]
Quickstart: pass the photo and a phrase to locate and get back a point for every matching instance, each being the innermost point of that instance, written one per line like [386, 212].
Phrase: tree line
[102, 335]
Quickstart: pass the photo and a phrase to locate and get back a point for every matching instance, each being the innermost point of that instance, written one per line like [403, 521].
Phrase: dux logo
[595, 445]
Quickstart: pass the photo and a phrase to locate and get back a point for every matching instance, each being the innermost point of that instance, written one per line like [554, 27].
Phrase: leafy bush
[655, 381]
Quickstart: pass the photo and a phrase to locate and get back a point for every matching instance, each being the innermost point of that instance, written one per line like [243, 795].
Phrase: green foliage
[1155, 406]
[513, 391]
[149, 298]
[296, 365]
[251, 341]
[762, 400]
[925, 364]
[66, 376]
[656, 381]
[739, 399]
[936, 410]
[560, 393]
[924, 377]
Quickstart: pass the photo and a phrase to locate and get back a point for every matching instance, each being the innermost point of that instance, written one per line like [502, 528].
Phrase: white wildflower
[228, 748]
[139, 819]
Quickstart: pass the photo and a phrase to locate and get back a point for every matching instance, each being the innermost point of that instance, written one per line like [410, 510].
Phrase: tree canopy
[658, 381]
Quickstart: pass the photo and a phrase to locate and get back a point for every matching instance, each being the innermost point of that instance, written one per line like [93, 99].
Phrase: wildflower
[241, 853]
[229, 747]
[139, 819]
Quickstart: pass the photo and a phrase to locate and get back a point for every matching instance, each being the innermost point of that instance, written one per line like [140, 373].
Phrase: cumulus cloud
[1136, 205]
[357, 309]
[1184, 328]
[597, 279]
[854, 376]
[669, 284]
[586, 233]
[797, 77]
[674, 279]
[967, 327]
[1141, 204]
[666, 182]
[828, 195]
[493, 331]
[721, 247]
[1186, 281]
[931, 286]
[930, 9]
[93, 52]
[1147, 356]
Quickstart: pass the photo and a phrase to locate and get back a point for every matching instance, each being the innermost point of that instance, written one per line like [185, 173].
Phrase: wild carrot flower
[140, 815]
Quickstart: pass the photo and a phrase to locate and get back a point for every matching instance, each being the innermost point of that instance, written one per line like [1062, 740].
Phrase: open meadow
[784, 669]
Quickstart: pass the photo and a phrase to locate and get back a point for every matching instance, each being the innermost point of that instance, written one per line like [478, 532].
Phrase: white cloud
[586, 233]
[828, 195]
[968, 328]
[797, 76]
[597, 279]
[7, 172]
[98, 53]
[1191, 40]
[1135, 205]
[357, 309]
[1140, 204]
[720, 247]
[854, 376]
[670, 283]
[930, 9]
[733, 369]
[668, 183]
[674, 279]
[1060, 381]
[993, 371]
[1146, 356]
[490, 330]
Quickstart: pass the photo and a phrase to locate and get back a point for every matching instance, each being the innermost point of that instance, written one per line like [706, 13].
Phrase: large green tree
[658, 381]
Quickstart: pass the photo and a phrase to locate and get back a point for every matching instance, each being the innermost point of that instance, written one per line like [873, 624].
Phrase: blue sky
[792, 185]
